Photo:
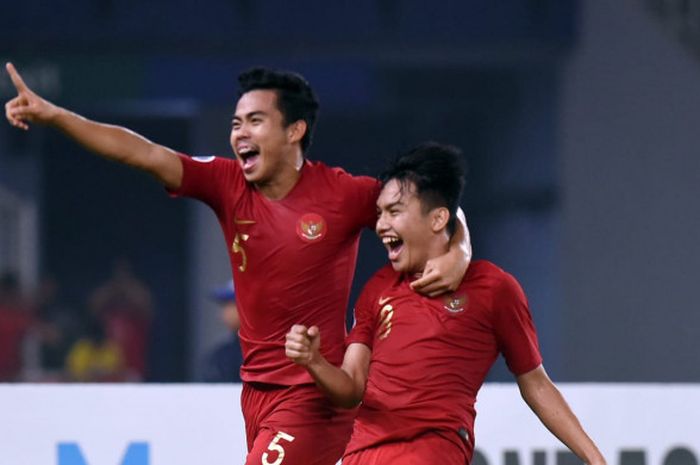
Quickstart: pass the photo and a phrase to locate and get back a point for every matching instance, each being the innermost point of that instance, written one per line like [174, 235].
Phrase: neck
[438, 247]
[285, 179]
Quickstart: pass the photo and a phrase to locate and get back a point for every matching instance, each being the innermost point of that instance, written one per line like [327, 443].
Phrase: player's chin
[398, 266]
[252, 177]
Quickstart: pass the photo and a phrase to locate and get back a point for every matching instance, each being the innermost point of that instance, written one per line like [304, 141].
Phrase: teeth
[390, 240]
[245, 149]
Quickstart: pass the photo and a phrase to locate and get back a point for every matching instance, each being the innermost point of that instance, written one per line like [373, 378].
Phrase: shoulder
[205, 161]
[322, 169]
[484, 270]
[339, 176]
[384, 278]
[386, 275]
[204, 173]
[502, 284]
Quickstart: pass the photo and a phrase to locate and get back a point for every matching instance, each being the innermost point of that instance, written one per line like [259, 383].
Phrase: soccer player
[292, 228]
[416, 363]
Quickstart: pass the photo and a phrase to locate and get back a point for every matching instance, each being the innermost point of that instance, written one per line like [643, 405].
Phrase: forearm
[336, 383]
[460, 241]
[551, 408]
[121, 145]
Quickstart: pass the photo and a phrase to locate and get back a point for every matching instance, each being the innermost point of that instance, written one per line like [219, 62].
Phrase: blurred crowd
[45, 339]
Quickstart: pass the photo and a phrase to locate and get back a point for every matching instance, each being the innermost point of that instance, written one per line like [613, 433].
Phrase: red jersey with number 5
[293, 259]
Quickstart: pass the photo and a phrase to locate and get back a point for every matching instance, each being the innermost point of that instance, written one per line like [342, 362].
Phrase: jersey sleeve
[208, 179]
[515, 330]
[360, 194]
[365, 318]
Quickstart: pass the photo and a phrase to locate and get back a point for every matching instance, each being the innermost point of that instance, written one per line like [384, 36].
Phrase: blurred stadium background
[579, 121]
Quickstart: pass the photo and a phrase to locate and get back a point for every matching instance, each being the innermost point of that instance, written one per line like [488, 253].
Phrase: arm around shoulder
[445, 273]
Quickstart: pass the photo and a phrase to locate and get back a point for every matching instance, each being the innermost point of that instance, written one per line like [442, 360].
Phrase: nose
[240, 132]
[381, 226]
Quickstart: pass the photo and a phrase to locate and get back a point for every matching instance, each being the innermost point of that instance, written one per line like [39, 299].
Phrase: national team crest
[311, 227]
[455, 303]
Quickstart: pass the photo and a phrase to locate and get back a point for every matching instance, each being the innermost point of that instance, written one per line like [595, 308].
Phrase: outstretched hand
[303, 344]
[27, 107]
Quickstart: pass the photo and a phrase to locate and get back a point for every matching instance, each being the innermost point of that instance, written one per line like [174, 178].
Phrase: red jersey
[430, 356]
[293, 259]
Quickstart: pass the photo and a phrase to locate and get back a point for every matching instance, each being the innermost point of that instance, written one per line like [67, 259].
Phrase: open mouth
[249, 157]
[394, 245]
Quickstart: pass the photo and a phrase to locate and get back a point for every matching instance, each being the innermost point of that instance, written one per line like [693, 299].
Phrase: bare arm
[543, 397]
[345, 386]
[445, 273]
[111, 142]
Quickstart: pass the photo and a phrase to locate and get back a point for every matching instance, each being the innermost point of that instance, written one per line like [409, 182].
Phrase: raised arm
[345, 386]
[111, 142]
[543, 397]
[445, 273]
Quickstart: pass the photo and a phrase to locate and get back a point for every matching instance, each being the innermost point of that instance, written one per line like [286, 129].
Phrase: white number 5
[275, 446]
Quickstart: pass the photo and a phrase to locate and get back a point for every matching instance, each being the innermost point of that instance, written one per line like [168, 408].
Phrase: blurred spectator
[95, 357]
[58, 328]
[124, 304]
[15, 321]
[223, 364]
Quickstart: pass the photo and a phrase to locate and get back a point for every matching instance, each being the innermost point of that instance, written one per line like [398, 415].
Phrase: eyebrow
[390, 205]
[249, 115]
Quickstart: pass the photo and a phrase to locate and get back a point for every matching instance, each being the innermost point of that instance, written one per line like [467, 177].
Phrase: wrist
[54, 114]
[316, 363]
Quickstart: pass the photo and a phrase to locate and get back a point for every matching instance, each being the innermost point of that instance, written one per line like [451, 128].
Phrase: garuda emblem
[455, 303]
[311, 227]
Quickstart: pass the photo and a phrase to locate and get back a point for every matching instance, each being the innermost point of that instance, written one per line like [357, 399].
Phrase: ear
[296, 131]
[439, 218]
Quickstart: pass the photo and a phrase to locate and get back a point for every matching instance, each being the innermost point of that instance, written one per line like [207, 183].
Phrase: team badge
[311, 227]
[455, 303]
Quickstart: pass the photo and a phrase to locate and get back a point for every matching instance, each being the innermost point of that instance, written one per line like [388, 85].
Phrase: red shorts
[425, 449]
[293, 425]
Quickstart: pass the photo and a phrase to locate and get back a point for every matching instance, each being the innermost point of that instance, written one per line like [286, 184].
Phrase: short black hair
[295, 98]
[438, 173]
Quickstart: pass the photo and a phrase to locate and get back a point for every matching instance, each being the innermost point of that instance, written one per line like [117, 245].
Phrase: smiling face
[267, 148]
[410, 234]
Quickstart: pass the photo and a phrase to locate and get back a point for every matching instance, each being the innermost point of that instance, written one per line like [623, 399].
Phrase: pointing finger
[16, 78]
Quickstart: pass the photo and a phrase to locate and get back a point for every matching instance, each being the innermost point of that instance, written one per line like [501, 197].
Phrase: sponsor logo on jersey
[455, 303]
[311, 227]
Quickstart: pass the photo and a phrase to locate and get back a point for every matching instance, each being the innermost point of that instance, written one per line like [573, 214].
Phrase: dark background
[578, 120]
